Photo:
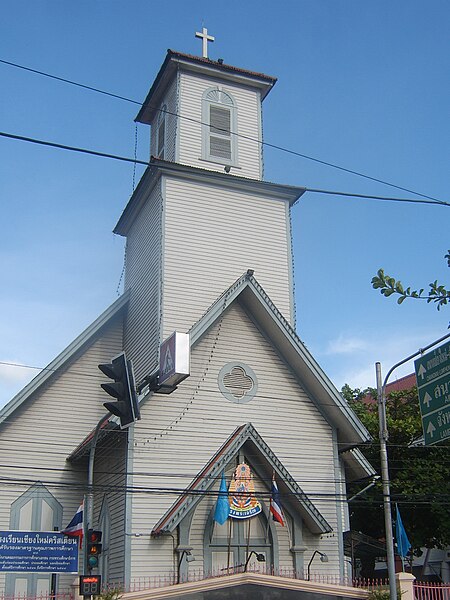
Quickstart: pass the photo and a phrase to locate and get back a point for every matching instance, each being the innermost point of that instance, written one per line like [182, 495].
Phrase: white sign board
[174, 359]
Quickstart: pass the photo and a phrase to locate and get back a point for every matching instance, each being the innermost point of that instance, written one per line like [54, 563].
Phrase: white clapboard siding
[207, 506]
[143, 276]
[52, 422]
[110, 485]
[170, 102]
[248, 105]
[179, 433]
[212, 236]
[39, 436]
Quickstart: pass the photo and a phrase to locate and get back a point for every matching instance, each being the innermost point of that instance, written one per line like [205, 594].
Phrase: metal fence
[431, 591]
[47, 596]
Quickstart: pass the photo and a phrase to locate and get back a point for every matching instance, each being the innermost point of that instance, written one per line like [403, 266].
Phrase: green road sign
[433, 384]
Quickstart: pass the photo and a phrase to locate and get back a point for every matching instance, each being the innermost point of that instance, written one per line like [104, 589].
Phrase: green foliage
[382, 594]
[110, 594]
[418, 474]
[387, 285]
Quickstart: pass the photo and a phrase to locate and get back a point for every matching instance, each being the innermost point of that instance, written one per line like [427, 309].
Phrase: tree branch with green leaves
[439, 294]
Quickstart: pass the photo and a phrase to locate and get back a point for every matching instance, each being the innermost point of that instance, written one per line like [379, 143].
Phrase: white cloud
[12, 372]
[346, 345]
[352, 360]
[13, 377]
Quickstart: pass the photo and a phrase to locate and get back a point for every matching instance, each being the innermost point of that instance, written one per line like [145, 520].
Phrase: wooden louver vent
[220, 132]
[237, 382]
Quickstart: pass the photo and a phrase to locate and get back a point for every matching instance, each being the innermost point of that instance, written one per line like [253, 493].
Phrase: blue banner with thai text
[38, 552]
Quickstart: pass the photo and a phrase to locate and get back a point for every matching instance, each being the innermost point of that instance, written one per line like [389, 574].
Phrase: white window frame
[218, 97]
[35, 496]
[161, 126]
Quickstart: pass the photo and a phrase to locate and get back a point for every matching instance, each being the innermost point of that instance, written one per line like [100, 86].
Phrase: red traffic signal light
[94, 548]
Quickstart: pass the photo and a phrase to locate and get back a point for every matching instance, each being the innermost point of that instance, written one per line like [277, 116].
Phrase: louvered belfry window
[220, 131]
[219, 121]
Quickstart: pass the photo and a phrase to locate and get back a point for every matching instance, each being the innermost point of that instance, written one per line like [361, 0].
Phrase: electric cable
[261, 142]
[141, 162]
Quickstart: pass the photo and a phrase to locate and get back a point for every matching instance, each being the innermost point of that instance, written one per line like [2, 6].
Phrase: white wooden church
[208, 253]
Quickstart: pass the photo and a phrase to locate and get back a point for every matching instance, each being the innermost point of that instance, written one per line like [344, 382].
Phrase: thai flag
[75, 527]
[275, 504]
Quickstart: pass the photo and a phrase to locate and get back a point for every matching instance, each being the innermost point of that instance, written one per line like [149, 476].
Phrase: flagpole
[248, 539]
[398, 546]
[89, 497]
[270, 503]
[229, 545]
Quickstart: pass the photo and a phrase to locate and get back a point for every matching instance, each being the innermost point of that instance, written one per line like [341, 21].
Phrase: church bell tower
[202, 215]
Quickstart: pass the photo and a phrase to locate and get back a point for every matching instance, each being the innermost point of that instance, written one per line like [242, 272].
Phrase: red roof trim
[220, 65]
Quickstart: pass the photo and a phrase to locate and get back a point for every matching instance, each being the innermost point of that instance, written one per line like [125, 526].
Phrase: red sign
[90, 585]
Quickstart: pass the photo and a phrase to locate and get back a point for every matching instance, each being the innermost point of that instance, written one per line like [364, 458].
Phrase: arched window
[219, 118]
[231, 544]
[161, 132]
[34, 510]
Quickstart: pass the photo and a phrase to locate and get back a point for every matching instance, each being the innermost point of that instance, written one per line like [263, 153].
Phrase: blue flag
[222, 506]
[403, 544]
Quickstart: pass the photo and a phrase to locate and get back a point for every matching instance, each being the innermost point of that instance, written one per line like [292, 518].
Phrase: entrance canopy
[248, 586]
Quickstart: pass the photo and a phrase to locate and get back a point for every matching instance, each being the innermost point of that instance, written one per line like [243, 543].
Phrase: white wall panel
[212, 236]
[143, 276]
[179, 433]
[37, 439]
[247, 101]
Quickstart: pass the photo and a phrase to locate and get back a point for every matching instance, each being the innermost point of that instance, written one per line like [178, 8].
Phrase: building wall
[179, 433]
[36, 440]
[171, 103]
[248, 104]
[212, 236]
[110, 485]
[143, 276]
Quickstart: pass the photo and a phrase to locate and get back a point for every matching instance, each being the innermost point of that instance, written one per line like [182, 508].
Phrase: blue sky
[364, 85]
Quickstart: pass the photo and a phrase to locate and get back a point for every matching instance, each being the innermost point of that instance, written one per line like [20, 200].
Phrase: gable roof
[249, 293]
[266, 463]
[65, 356]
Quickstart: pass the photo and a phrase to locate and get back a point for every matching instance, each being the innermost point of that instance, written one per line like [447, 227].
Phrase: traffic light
[123, 389]
[94, 548]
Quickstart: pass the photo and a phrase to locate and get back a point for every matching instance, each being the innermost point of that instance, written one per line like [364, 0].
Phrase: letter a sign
[174, 359]
[168, 363]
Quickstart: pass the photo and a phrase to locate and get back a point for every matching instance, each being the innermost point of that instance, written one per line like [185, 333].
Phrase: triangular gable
[260, 308]
[64, 357]
[243, 436]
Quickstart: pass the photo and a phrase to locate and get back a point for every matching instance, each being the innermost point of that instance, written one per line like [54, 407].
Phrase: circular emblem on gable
[237, 382]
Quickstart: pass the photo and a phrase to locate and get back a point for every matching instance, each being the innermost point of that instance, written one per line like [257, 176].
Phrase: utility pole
[384, 436]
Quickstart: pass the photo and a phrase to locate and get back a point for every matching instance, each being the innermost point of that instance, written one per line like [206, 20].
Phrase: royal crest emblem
[243, 502]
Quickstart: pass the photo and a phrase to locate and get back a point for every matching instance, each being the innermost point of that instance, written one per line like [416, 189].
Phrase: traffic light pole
[89, 498]
[384, 436]
[385, 482]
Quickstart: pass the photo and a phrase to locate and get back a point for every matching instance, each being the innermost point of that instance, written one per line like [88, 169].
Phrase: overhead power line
[69, 81]
[263, 143]
[142, 162]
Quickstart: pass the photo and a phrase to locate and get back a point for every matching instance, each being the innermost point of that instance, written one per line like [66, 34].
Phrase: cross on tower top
[205, 39]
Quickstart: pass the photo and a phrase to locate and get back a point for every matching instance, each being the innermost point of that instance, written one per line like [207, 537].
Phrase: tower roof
[174, 60]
